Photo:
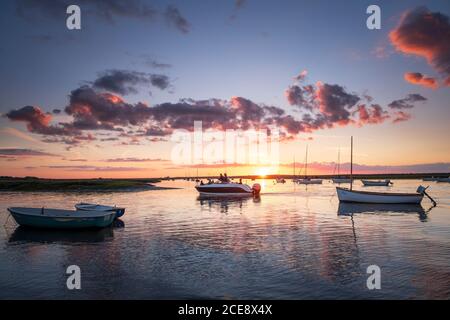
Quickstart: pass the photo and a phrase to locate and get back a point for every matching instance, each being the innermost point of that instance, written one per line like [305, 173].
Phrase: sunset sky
[105, 101]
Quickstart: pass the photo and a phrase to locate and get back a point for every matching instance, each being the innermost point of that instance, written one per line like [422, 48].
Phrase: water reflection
[290, 245]
[33, 235]
[349, 209]
[224, 203]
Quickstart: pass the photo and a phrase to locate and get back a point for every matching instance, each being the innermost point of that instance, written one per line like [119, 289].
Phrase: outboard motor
[422, 190]
[256, 188]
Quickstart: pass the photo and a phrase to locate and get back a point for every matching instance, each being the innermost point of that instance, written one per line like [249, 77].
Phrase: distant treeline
[37, 184]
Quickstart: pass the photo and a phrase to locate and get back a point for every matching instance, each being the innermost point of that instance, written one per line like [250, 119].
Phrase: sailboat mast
[339, 161]
[351, 163]
[294, 169]
[306, 163]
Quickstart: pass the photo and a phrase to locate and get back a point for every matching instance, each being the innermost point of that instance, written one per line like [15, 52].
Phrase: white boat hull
[226, 194]
[346, 195]
[341, 180]
[225, 189]
[370, 183]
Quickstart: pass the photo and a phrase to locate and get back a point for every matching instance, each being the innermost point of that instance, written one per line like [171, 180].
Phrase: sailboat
[307, 180]
[350, 195]
[339, 179]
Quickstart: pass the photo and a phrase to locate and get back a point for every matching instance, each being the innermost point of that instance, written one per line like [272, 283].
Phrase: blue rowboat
[61, 219]
[98, 207]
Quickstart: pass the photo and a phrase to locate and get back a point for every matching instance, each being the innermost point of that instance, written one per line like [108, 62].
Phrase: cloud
[94, 168]
[328, 167]
[107, 11]
[426, 34]
[149, 61]
[334, 102]
[16, 152]
[92, 110]
[174, 17]
[408, 102]
[301, 76]
[160, 81]
[373, 114]
[320, 106]
[301, 96]
[125, 82]
[131, 159]
[37, 121]
[19, 134]
[400, 116]
[238, 5]
[420, 79]
[381, 52]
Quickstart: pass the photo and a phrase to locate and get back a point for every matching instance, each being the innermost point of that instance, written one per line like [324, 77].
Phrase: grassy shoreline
[78, 185]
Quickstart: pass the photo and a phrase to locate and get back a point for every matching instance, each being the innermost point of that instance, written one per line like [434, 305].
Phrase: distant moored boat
[430, 179]
[341, 180]
[307, 180]
[372, 183]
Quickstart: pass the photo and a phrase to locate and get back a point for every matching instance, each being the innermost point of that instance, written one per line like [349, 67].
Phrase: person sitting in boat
[221, 178]
[226, 179]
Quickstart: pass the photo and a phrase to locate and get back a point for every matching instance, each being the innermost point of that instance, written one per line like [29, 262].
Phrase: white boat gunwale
[381, 193]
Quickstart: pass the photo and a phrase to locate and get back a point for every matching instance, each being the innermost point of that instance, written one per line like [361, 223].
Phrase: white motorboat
[98, 207]
[228, 189]
[373, 183]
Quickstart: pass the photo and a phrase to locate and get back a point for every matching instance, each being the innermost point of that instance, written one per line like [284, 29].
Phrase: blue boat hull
[63, 222]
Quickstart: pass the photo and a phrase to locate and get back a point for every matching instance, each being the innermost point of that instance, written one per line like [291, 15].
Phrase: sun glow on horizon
[265, 171]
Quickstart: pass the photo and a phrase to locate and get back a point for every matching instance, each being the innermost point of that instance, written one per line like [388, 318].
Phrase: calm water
[290, 244]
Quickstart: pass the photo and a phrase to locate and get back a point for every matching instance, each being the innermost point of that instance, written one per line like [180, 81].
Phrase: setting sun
[264, 171]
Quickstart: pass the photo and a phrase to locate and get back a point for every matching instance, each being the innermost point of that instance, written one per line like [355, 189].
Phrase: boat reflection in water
[349, 209]
[35, 235]
[224, 203]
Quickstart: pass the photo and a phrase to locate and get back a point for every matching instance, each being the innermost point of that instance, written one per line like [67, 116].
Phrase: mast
[306, 163]
[351, 163]
[339, 161]
[294, 168]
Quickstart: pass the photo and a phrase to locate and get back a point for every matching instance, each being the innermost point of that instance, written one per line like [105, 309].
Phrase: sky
[110, 99]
